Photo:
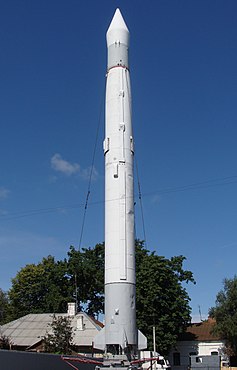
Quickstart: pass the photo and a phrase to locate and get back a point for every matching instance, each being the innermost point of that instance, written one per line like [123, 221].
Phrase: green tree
[162, 301]
[60, 336]
[4, 307]
[87, 267]
[40, 288]
[225, 314]
[5, 342]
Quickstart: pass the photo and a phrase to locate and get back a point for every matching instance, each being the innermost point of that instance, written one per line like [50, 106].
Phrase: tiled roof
[200, 331]
[29, 330]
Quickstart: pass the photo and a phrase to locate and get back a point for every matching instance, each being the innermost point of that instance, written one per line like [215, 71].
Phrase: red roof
[200, 331]
[97, 322]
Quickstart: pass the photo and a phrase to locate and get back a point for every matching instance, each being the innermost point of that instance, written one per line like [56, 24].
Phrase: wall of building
[179, 357]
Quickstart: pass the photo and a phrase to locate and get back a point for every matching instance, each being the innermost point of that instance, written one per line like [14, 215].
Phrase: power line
[197, 185]
[194, 186]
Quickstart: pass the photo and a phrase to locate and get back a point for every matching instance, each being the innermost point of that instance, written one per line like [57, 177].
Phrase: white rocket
[120, 334]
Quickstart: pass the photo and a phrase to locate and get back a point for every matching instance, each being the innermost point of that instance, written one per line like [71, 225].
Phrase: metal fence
[205, 362]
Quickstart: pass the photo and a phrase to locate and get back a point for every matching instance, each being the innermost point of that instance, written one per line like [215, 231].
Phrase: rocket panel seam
[118, 66]
[122, 224]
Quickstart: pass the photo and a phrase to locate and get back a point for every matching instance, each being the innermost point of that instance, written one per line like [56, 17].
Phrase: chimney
[71, 309]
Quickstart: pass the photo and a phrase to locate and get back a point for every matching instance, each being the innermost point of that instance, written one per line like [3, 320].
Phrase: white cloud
[4, 193]
[61, 165]
[65, 167]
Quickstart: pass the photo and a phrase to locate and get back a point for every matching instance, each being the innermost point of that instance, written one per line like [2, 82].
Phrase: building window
[214, 353]
[176, 359]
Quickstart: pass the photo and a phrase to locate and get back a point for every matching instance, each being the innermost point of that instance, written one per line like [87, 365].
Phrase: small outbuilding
[198, 341]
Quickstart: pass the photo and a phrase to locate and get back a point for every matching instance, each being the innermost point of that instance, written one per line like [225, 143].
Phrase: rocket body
[120, 278]
[120, 315]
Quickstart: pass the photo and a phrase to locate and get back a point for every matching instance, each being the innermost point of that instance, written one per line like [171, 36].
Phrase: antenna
[200, 313]
[76, 292]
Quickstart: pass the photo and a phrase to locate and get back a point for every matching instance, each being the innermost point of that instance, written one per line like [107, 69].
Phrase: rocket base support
[122, 366]
[121, 335]
[117, 362]
[121, 315]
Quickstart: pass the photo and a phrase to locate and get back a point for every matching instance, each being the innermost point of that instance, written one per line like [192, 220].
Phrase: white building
[198, 340]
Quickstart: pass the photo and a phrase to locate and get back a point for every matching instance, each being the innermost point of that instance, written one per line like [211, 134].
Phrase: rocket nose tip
[118, 14]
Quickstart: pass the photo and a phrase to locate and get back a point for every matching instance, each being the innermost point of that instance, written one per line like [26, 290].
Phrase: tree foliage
[87, 267]
[49, 285]
[5, 342]
[60, 336]
[162, 301]
[4, 306]
[40, 288]
[225, 314]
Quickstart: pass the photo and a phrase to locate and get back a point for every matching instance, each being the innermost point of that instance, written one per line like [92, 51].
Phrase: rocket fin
[99, 340]
[142, 341]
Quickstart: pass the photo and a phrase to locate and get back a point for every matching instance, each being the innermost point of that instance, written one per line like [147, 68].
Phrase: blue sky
[183, 59]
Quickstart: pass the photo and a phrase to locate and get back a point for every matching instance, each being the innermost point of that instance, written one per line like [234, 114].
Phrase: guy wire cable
[138, 180]
[140, 201]
[91, 170]
[211, 183]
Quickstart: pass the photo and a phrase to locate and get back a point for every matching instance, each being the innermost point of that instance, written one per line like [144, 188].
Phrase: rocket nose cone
[117, 30]
[117, 22]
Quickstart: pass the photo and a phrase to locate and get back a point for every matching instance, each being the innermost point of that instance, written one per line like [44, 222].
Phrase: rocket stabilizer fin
[142, 341]
[99, 340]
